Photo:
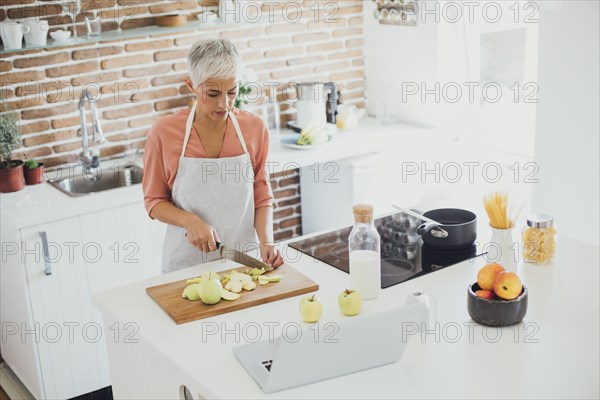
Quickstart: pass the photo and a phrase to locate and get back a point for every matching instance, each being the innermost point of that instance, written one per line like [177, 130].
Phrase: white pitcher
[12, 34]
[38, 33]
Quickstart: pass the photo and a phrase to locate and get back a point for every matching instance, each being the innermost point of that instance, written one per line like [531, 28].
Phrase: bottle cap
[540, 221]
[363, 212]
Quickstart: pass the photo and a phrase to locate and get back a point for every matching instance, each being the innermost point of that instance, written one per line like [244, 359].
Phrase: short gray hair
[213, 58]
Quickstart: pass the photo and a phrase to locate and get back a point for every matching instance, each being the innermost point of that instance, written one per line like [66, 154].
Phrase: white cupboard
[52, 337]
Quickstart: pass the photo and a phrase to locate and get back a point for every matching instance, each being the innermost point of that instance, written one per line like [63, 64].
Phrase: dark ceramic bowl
[496, 312]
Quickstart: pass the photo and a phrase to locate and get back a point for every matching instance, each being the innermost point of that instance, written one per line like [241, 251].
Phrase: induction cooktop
[404, 256]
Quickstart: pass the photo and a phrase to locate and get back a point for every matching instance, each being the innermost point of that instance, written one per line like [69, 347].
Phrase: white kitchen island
[553, 353]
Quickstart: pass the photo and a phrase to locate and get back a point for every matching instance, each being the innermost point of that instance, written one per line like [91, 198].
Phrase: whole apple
[350, 302]
[507, 285]
[311, 308]
[486, 275]
[485, 294]
[210, 291]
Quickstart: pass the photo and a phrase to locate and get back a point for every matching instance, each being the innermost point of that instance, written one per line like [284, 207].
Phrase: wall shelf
[122, 34]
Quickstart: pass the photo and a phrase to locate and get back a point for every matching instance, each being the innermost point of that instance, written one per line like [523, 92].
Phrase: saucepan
[449, 227]
[445, 227]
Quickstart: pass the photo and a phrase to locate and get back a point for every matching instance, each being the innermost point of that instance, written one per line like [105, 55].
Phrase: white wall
[397, 54]
[567, 121]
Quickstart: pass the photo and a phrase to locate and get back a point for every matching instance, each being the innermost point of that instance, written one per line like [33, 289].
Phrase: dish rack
[396, 12]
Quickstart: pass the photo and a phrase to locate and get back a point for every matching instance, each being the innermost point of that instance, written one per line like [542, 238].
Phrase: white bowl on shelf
[60, 35]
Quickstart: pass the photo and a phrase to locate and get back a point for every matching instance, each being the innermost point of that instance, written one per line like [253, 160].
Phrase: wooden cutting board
[168, 296]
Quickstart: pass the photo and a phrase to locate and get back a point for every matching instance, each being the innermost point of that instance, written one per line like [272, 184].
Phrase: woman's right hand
[201, 235]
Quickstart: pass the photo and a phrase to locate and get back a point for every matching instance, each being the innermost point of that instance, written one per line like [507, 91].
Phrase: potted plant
[11, 171]
[247, 79]
[34, 172]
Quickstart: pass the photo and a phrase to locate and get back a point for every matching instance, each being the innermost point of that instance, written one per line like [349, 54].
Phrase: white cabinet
[62, 353]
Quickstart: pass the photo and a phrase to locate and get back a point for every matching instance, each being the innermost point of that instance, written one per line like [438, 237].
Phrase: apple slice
[208, 275]
[271, 278]
[229, 296]
[191, 292]
[193, 280]
[257, 272]
[241, 278]
[262, 280]
[248, 285]
[234, 286]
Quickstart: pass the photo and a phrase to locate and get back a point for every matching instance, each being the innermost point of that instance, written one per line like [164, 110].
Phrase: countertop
[553, 353]
[42, 203]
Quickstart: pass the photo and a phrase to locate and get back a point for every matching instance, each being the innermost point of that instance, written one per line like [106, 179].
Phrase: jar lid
[540, 221]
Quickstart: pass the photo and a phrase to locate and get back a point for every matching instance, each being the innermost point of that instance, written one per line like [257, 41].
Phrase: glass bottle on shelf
[365, 253]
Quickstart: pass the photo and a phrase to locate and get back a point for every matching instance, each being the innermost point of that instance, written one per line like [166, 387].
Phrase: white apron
[221, 192]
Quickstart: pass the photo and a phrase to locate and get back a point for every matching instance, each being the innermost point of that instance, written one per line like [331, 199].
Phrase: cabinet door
[64, 329]
[125, 239]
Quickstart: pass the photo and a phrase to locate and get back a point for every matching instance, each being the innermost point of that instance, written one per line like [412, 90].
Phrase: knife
[242, 258]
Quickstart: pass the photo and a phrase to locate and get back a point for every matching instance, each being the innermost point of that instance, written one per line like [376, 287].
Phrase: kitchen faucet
[88, 158]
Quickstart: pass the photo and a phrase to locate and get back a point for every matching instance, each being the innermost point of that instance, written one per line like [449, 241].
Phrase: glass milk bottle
[365, 256]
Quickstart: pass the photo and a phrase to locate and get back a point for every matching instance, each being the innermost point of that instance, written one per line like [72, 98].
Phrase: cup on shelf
[38, 32]
[12, 34]
[93, 24]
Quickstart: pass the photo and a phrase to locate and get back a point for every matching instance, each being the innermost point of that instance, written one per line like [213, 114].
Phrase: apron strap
[190, 122]
[188, 129]
[238, 131]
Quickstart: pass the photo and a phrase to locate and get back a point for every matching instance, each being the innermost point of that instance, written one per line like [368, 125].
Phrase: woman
[204, 169]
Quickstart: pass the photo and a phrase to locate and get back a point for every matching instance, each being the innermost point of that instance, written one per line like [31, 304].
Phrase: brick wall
[139, 80]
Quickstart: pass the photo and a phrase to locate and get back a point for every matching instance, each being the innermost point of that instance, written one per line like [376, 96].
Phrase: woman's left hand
[271, 255]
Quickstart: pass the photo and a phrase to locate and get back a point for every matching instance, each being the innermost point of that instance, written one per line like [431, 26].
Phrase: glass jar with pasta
[539, 239]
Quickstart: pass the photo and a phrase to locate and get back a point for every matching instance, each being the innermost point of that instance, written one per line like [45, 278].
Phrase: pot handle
[435, 230]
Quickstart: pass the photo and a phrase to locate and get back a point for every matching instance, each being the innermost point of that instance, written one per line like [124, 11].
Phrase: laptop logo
[267, 364]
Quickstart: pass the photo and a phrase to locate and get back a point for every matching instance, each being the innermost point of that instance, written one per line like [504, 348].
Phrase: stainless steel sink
[80, 184]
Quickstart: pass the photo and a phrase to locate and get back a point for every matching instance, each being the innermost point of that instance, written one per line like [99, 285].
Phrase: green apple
[270, 278]
[311, 308]
[350, 302]
[191, 292]
[210, 291]
[249, 285]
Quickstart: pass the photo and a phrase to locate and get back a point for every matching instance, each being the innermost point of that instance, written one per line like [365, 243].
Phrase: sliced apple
[208, 275]
[193, 280]
[229, 296]
[191, 292]
[257, 272]
[234, 286]
[241, 278]
[271, 278]
[262, 280]
[248, 285]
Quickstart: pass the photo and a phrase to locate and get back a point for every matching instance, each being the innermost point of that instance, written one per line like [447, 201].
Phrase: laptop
[327, 350]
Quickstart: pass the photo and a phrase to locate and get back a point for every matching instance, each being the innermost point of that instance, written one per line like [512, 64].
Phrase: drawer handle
[48, 268]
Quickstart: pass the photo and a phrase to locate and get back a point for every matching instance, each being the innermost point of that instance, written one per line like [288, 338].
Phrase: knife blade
[242, 258]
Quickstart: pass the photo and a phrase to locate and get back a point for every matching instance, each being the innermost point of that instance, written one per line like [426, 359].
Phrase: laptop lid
[326, 350]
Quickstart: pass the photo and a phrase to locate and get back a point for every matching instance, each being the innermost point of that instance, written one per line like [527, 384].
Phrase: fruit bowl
[496, 312]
